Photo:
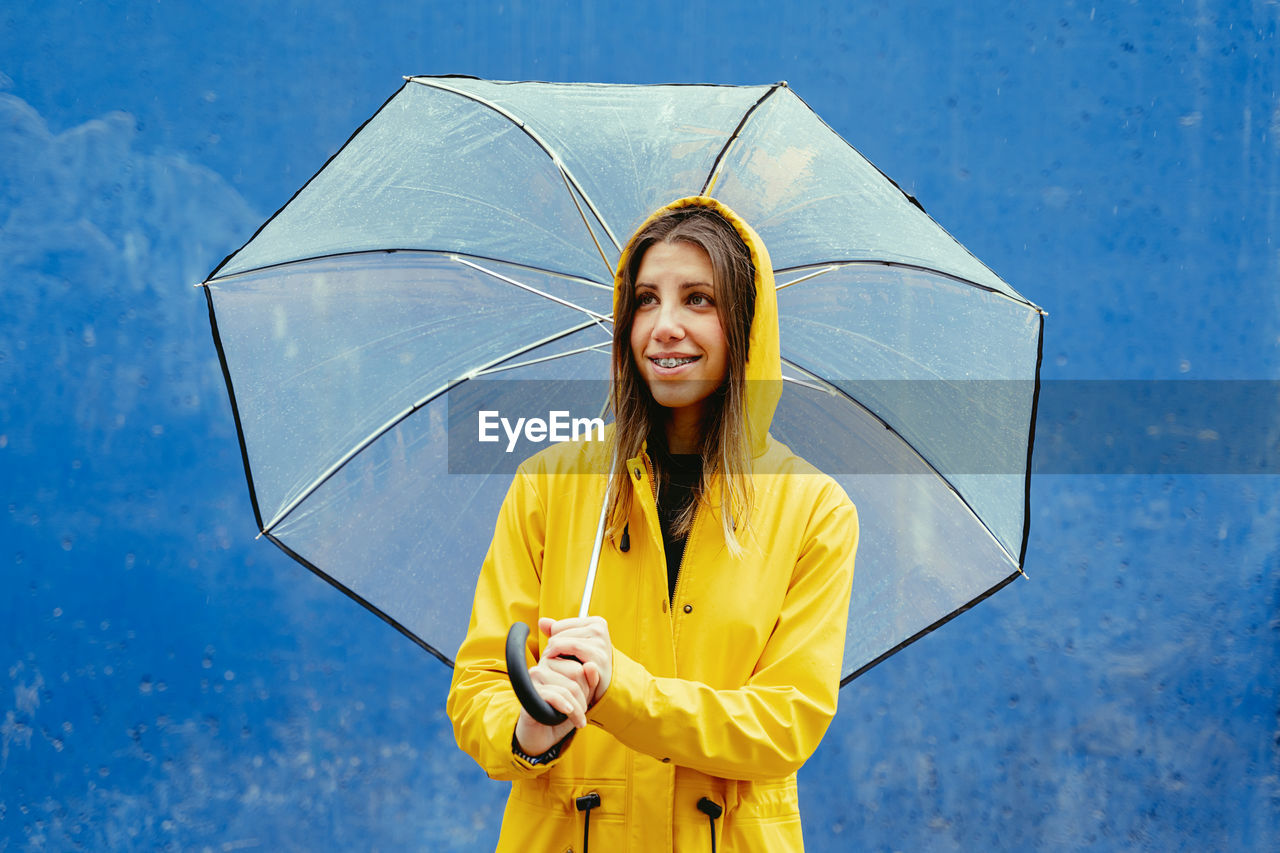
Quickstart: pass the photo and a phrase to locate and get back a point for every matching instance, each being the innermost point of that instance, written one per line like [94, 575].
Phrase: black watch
[545, 758]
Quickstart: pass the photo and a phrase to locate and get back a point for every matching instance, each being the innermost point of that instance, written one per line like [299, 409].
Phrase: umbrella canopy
[456, 256]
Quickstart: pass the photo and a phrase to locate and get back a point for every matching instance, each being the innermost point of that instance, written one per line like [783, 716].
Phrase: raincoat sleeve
[482, 705]
[769, 727]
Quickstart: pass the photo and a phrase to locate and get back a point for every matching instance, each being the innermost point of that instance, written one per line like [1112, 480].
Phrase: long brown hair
[726, 438]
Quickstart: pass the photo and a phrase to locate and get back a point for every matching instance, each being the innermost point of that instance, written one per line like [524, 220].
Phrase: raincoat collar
[764, 362]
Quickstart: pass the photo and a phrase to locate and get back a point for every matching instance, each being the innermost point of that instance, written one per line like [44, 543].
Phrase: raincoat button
[664, 605]
[637, 473]
[666, 761]
[688, 608]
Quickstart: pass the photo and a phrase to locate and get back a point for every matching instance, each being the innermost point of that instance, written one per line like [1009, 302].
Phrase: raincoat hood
[764, 361]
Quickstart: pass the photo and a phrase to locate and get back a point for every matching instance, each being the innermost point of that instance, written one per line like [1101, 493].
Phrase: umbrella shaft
[595, 549]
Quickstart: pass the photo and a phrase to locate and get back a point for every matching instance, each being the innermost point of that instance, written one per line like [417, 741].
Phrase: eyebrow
[683, 286]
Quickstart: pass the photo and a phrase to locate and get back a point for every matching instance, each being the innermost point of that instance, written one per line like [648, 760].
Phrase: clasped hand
[572, 674]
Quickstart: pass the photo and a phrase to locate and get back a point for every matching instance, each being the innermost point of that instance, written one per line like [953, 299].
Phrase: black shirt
[682, 472]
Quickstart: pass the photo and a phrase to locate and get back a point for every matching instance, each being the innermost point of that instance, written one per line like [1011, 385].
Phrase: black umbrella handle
[537, 707]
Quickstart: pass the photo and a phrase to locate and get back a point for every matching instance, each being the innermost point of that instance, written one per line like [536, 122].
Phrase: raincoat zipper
[653, 487]
[688, 540]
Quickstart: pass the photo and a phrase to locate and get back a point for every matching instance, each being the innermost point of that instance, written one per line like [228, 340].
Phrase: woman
[708, 671]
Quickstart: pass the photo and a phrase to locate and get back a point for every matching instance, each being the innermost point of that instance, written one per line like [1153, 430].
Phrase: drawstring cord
[586, 803]
[709, 808]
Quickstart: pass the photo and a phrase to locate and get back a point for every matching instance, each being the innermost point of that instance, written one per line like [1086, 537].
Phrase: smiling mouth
[675, 362]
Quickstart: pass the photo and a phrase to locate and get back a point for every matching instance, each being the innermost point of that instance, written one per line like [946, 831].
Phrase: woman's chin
[681, 393]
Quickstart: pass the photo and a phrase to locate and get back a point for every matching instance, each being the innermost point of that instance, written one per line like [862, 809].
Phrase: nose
[668, 325]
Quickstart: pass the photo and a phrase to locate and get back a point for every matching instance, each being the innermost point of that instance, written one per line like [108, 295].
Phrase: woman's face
[676, 338]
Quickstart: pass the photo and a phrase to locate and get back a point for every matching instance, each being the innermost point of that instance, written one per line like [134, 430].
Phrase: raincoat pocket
[766, 817]
[542, 815]
[758, 816]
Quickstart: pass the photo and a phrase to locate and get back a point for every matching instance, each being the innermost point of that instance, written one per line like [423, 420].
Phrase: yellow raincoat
[722, 694]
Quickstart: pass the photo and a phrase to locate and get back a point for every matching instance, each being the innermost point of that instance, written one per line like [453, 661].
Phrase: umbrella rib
[532, 134]
[601, 347]
[577, 279]
[1014, 296]
[716, 167]
[590, 231]
[810, 385]
[831, 388]
[599, 318]
[360, 446]
[814, 274]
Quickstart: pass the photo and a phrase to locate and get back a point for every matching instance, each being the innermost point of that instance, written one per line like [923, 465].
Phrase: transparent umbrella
[462, 243]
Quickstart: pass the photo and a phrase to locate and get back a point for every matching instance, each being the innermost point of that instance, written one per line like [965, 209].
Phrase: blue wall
[171, 683]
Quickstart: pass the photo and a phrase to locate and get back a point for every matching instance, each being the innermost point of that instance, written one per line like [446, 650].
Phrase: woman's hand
[565, 693]
[586, 639]
[566, 686]
[570, 686]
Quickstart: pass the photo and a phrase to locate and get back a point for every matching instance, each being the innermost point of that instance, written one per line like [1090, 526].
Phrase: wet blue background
[165, 681]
